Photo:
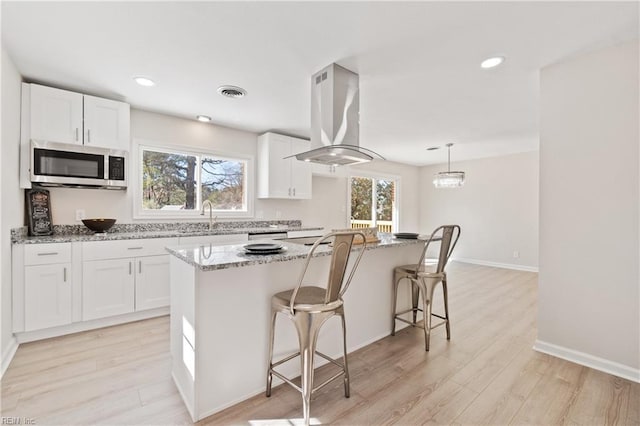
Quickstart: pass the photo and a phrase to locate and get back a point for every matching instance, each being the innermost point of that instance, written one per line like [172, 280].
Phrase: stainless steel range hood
[335, 119]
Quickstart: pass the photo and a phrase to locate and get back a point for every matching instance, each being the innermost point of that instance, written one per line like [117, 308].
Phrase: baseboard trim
[497, 264]
[8, 354]
[30, 336]
[587, 360]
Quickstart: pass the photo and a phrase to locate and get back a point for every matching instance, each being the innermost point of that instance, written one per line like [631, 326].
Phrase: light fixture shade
[448, 179]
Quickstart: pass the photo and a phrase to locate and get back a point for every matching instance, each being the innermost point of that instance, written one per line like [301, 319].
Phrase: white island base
[220, 321]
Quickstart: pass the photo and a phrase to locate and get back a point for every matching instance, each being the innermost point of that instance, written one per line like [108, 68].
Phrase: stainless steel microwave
[79, 166]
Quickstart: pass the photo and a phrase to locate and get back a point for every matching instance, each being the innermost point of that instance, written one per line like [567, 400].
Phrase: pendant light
[448, 179]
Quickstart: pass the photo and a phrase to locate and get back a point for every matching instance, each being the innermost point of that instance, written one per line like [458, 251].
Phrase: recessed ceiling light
[232, 91]
[492, 62]
[144, 81]
[203, 118]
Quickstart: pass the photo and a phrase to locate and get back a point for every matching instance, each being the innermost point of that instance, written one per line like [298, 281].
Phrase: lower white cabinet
[152, 282]
[120, 277]
[47, 296]
[108, 288]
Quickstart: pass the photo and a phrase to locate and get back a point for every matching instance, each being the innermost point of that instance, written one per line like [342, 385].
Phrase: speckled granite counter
[212, 257]
[72, 233]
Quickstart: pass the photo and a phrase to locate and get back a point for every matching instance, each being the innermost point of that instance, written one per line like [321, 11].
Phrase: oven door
[65, 164]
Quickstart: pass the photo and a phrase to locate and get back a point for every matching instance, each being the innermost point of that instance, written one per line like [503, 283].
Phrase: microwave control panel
[116, 168]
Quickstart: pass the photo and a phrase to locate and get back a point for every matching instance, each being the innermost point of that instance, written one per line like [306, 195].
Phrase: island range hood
[335, 119]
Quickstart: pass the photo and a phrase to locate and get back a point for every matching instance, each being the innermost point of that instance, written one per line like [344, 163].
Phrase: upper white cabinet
[106, 123]
[279, 177]
[328, 170]
[63, 116]
[56, 115]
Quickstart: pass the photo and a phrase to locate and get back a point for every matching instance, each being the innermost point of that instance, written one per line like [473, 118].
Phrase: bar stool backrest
[449, 235]
[336, 284]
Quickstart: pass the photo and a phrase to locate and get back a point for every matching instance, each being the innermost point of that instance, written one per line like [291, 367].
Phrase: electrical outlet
[516, 254]
[80, 214]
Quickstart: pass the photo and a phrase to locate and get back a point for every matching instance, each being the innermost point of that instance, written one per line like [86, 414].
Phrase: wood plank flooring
[486, 374]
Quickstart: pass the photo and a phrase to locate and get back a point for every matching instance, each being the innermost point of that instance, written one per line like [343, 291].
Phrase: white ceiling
[420, 80]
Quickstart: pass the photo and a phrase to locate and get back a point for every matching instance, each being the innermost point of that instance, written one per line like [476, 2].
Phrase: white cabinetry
[47, 286]
[329, 170]
[56, 115]
[120, 277]
[62, 116]
[107, 288]
[279, 177]
[106, 123]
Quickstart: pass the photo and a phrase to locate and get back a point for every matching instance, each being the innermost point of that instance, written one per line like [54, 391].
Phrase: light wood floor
[486, 374]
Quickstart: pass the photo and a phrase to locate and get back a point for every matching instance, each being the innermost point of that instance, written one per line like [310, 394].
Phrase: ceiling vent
[232, 91]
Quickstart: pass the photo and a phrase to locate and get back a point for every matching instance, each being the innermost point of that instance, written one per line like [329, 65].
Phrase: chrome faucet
[212, 219]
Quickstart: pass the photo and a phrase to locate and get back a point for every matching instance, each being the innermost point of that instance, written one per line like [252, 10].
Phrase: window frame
[135, 170]
[395, 225]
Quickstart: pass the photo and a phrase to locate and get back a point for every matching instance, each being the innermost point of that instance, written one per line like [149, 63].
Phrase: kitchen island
[220, 312]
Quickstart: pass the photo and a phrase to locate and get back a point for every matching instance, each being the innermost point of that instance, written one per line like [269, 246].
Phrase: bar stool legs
[426, 287]
[308, 327]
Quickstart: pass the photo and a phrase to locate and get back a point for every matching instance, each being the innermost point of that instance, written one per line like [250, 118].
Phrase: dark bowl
[99, 225]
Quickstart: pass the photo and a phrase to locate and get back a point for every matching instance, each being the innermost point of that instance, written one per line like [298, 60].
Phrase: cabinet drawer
[45, 254]
[97, 250]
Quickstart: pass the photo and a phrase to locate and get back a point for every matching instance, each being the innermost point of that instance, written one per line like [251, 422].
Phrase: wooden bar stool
[424, 278]
[309, 308]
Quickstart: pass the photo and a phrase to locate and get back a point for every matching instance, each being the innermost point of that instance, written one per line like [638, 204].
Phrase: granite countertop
[212, 257]
[127, 233]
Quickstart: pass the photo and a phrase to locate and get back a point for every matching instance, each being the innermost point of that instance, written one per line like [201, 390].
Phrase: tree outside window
[367, 192]
[180, 181]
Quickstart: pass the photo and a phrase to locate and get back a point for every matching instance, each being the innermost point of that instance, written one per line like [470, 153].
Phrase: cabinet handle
[129, 268]
[294, 192]
[134, 248]
[50, 253]
[88, 135]
[77, 134]
[139, 266]
[64, 274]
[289, 192]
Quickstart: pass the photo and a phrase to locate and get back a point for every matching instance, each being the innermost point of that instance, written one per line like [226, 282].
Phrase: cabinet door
[47, 296]
[106, 123]
[279, 169]
[300, 172]
[108, 288]
[152, 282]
[56, 115]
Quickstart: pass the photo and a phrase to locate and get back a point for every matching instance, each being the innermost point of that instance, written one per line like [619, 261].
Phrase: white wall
[588, 307]
[12, 207]
[327, 208]
[497, 209]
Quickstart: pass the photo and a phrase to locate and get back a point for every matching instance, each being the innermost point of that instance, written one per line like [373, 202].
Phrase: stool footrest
[285, 379]
[283, 360]
[298, 388]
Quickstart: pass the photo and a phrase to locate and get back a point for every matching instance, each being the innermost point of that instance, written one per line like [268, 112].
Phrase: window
[175, 183]
[370, 191]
